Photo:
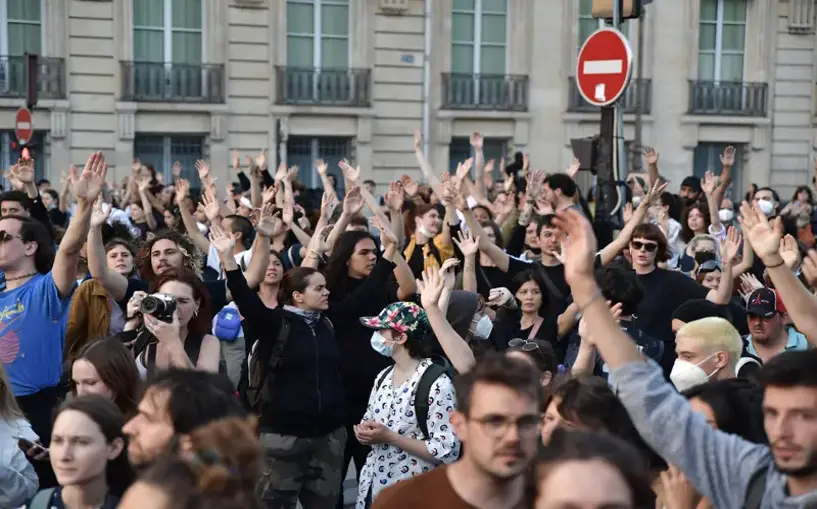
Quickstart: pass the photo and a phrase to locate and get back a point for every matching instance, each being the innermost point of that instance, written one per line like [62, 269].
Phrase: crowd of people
[462, 340]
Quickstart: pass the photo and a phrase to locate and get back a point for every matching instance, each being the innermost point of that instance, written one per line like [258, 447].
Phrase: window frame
[167, 30]
[718, 50]
[314, 181]
[317, 31]
[167, 158]
[477, 43]
[626, 29]
[4, 27]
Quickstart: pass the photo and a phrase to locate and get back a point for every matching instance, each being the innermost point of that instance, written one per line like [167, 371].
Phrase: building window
[162, 151]
[708, 158]
[303, 151]
[722, 40]
[492, 148]
[10, 154]
[318, 34]
[168, 31]
[479, 37]
[588, 24]
[21, 25]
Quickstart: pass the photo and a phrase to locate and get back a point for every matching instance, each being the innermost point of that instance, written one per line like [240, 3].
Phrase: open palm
[579, 248]
[88, 185]
[762, 235]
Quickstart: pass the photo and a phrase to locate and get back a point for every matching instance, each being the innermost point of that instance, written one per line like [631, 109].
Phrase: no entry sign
[23, 127]
[604, 67]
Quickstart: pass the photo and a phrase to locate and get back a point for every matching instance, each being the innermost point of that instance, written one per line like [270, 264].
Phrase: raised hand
[23, 171]
[288, 215]
[269, 224]
[525, 162]
[748, 284]
[351, 174]
[651, 156]
[261, 161]
[789, 251]
[467, 244]
[268, 196]
[292, 175]
[448, 273]
[353, 202]
[176, 170]
[394, 197]
[499, 297]
[409, 186]
[204, 170]
[98, 214]
[536, 181]
[476, 140]
[87, 186]
[236, 161]
[321, 167]
[489, 167]
[655, 191]
[387, 237]
[212, 208]
[809, 268]
[280, 173]
[709, 183]
[628, 212]
[573, 169]
[430, 288]
[220, 240]
[579, 248]
[329, 203]
[182, 191]
[728, 157]
[731, 245]
[762, 235]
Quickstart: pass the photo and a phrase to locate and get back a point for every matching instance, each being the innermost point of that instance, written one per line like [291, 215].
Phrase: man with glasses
[498, 419]
[35, 301]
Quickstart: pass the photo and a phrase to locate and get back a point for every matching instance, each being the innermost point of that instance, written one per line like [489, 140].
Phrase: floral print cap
[402, 317]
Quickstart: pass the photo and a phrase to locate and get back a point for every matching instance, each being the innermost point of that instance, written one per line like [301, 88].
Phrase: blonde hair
[716, 334]
[703, 237]
[9, 409]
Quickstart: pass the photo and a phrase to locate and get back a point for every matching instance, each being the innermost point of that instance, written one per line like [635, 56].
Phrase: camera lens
[150, 305]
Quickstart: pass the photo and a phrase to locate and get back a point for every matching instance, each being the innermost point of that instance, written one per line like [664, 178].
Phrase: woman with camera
[178, 319]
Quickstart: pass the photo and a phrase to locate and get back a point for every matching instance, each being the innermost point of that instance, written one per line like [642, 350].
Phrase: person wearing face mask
[407, 421]
[707, 349]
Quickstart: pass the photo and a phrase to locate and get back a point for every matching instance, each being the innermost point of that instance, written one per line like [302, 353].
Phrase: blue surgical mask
[380, 346]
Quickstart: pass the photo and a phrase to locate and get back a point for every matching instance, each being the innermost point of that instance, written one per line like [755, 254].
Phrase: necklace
[22, 277]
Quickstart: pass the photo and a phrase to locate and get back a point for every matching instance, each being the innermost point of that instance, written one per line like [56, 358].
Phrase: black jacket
[308, 394]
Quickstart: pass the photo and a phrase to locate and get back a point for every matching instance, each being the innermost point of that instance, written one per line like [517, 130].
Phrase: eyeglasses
[496, 426]
[6, 236]
[646, 246]
[523, 344]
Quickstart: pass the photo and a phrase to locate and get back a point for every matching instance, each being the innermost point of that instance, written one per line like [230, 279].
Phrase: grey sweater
[718, 464]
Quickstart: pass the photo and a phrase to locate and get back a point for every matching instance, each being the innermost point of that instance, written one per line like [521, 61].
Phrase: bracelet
[596, 297]
[776, 266]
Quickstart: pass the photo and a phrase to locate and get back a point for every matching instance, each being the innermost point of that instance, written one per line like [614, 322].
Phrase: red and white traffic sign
[604, 67]
[23, 126]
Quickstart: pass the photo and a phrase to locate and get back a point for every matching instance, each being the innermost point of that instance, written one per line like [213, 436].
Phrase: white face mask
[766, 207]
[637, 200]
[726, 215]
[484, 327]
[686, 375]
[425, 232]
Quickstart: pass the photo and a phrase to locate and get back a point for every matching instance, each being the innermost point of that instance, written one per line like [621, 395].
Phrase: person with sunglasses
[666, 290]
[35, 302]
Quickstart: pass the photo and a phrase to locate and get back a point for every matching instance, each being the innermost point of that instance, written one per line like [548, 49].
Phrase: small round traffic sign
[604, 67]
[23, 126]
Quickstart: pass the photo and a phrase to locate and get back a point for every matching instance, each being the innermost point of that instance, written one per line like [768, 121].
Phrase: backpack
[264, 361]
[439, 367]
[227, 324]
[756, 489]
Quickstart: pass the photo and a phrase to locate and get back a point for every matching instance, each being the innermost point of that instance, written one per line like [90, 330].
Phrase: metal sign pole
[620, 169]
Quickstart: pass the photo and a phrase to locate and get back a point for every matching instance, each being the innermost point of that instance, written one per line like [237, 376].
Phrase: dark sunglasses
[6, 236]
[523, 344]
[646, 246]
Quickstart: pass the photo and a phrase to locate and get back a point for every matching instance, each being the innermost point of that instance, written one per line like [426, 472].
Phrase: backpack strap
[383, 377]
[756, 489]
[421, 407]
[267, 362]
[42, 500]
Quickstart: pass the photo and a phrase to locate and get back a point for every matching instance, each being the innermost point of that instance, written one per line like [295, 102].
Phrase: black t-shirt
[216, 288]
[664, 292]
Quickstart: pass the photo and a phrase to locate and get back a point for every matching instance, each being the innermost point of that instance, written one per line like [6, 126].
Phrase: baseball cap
[765, 303]
[403, 317]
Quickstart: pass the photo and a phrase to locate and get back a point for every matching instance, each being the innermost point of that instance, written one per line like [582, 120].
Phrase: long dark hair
[686, 231]
[114, 365]
[295, 280]
[190, 253]
[118, 472]
[336, 268]
[202, 322]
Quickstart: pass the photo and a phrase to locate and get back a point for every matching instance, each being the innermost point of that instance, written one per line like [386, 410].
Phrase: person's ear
[460, 424]
[297, 297]
[30, 248]
[722, 359]
[115, 448]
[401, 338]
[546, 378]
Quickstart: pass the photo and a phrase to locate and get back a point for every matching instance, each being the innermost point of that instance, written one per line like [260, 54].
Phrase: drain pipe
[426, 121]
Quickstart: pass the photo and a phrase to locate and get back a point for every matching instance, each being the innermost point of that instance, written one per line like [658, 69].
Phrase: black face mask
[689, 201]
[704, 256]
[686, 263]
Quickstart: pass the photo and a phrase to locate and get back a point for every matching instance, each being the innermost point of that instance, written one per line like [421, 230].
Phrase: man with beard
[498, 420]
[690, 191]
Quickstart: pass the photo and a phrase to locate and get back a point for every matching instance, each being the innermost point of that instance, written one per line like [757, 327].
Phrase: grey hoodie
[718, 464]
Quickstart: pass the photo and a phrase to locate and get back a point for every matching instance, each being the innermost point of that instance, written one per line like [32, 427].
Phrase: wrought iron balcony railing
[324, 87]
[627, 101]
[172, 82]
[50, 77]
[502, 92]
[733, 98]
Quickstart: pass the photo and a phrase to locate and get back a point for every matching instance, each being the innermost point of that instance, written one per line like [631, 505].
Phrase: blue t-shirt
[32, 332]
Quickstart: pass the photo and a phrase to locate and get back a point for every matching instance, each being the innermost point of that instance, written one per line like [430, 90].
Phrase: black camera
[160, 306]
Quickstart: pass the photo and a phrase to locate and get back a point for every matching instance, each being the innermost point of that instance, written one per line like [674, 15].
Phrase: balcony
[485, 92]
[171, 82]
[627, 101]
[324, 87]
[733, 99]
[51, 77]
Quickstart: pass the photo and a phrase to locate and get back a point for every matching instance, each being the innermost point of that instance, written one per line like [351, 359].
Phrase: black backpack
[439, 367]
[756, 489]
[264, 361]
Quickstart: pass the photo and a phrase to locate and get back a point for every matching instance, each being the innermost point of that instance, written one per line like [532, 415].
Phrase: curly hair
[218, 470]
[193, 257]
